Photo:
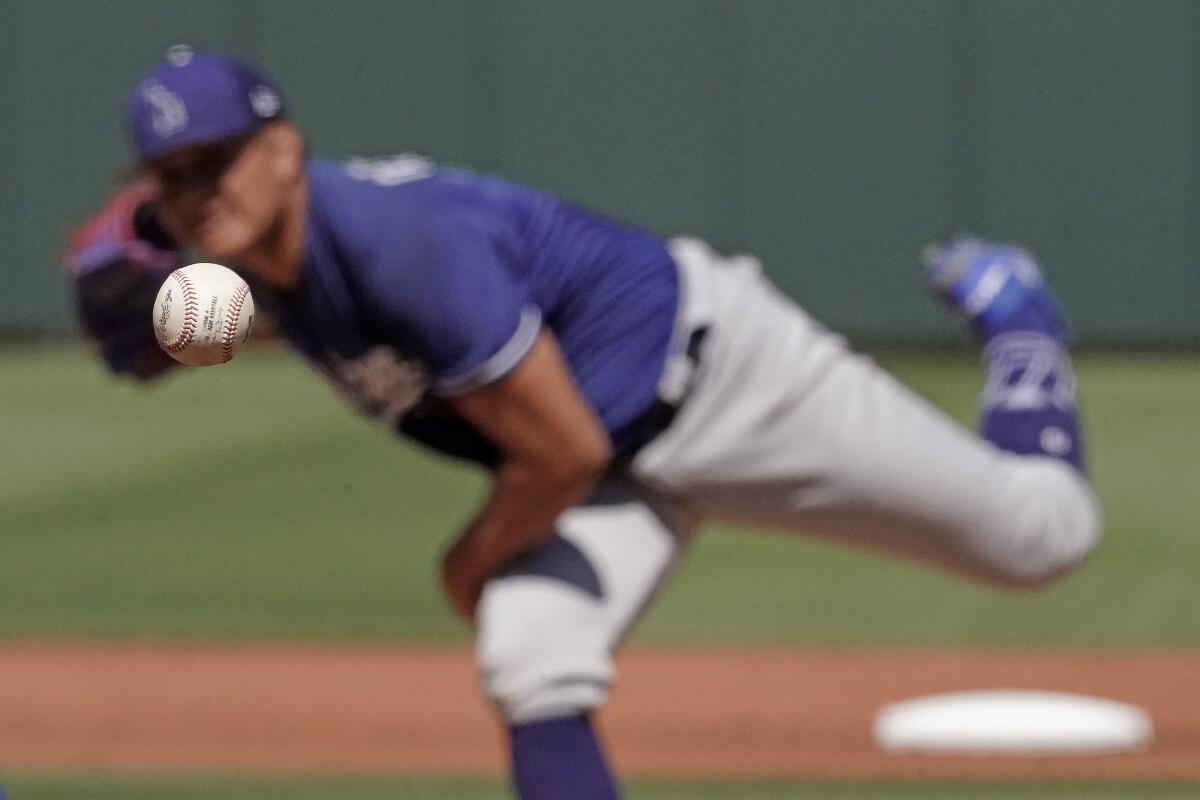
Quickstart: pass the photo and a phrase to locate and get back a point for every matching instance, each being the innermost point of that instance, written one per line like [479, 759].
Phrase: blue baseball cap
[197, 97]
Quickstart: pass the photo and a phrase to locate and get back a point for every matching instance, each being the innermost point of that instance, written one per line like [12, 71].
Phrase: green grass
[199, 787]
[246, 502]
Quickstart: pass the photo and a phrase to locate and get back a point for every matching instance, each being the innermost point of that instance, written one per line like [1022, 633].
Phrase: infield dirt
[687, 712]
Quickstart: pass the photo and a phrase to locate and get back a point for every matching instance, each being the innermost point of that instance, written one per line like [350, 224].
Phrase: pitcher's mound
[1011, 722]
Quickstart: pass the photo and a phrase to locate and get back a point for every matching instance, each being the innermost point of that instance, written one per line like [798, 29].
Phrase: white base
[1012, 722]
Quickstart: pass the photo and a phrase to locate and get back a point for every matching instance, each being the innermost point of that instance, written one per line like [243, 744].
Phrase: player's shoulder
[386, 225]
[361, 204]
[413, 178]
[373, 181]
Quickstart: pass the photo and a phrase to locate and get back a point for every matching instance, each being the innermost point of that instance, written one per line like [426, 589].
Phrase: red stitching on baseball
[231, 321]
[191, 314]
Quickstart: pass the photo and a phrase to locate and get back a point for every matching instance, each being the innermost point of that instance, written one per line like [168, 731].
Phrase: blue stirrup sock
[560, 759]
[1029, 402]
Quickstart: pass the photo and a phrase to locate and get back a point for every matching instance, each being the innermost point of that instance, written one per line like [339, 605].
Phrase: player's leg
[547, 627]
[786, 427]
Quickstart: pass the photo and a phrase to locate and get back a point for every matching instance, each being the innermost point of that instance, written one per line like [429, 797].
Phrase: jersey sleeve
[442, 292]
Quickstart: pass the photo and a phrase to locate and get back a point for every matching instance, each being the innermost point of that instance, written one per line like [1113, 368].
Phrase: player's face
[226, 198]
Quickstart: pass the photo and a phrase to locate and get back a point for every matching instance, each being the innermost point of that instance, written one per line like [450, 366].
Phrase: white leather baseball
[203, 314]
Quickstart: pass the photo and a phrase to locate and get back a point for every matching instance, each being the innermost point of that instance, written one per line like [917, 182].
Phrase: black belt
[648, 425]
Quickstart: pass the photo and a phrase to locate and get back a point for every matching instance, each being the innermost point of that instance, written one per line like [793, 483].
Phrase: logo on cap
[168, 115]
[265, 101]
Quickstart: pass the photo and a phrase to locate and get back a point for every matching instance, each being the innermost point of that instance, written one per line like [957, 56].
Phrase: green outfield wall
[831, 138]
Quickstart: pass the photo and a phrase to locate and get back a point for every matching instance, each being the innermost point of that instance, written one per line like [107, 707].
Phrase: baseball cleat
[997, 287]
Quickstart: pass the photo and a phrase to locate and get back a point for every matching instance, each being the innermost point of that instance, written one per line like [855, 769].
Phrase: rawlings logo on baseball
[165, 304]
[204, 314]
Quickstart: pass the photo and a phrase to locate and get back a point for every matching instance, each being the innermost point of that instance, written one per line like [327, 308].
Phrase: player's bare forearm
[555, 450]
[520, 514]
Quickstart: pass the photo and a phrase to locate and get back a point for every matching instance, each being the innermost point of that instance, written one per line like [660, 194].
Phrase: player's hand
[117, 261]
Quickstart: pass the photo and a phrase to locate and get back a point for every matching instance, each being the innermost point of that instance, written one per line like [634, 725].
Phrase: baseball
[203, 314]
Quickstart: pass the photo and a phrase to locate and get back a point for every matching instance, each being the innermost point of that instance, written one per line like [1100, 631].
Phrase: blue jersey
[421, 282]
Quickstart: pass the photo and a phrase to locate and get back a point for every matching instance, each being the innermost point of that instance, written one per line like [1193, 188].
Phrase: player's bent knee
[528, 682]
[538, 659]
[1055, 525]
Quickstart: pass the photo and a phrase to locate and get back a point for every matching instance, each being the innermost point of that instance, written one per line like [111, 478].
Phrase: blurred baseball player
[619, 388]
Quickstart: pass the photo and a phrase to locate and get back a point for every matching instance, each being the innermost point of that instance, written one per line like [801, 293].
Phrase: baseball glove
[117, 261]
